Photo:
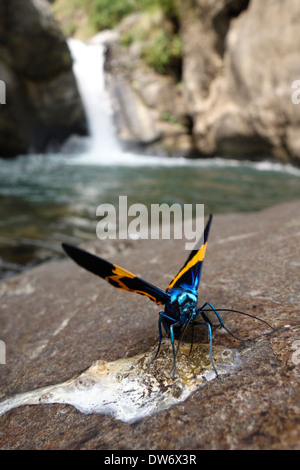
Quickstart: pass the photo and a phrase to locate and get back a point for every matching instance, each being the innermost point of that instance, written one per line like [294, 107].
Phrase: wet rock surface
[57, 320]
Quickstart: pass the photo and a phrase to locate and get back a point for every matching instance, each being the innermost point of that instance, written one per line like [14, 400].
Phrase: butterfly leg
[208, 323]
[210, 348]
[202, 310]
[160, 336]
[173, 347]
[160, 323]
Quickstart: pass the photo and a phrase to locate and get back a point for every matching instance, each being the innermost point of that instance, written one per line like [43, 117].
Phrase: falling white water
[102, 144]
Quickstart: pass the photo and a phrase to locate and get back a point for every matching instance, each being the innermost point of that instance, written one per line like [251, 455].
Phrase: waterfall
[102, 144]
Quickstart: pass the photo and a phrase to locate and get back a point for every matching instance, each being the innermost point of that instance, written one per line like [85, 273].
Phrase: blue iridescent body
[183, 304]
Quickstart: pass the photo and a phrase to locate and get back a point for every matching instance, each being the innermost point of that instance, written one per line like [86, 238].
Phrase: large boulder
[235, 95]
[43, 106]
[248, 109]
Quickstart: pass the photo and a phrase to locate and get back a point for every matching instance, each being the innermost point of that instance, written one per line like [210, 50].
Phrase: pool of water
[45, 200]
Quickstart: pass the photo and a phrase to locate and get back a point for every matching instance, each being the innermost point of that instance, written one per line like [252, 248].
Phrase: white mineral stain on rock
[16, 287]
[131, 388]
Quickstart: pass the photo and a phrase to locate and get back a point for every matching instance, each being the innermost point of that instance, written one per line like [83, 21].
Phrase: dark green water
[45, 200]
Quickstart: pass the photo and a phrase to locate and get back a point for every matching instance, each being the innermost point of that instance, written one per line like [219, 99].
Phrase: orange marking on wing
[199, 256]
[116, 278]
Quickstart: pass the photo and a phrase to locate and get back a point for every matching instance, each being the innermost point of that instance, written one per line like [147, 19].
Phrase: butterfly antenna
[241, 313]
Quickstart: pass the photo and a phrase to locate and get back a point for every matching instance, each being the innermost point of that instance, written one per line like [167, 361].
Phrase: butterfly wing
[116, 276]
[190, 272]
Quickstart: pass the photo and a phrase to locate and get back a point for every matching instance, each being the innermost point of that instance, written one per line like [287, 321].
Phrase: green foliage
[164, 54]
[172, 119]
[171, 9]
[108, 13]
[158, 28]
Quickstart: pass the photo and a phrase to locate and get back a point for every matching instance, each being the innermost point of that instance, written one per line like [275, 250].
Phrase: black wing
[116, 276]
[190, 272]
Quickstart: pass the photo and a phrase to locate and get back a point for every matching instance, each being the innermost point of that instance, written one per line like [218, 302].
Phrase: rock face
[149, 109]
[57, 319]
[43, 105]
[240, 59]
[249, 109]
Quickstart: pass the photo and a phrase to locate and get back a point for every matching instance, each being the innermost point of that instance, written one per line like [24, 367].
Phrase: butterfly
[179, 299]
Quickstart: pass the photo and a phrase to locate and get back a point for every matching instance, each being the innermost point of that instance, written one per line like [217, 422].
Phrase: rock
[249, 109]
[13, 139]
[43, 105]
[134, 122]
[235, 95]
[105, 37]
[149, 109]
[57, 320]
